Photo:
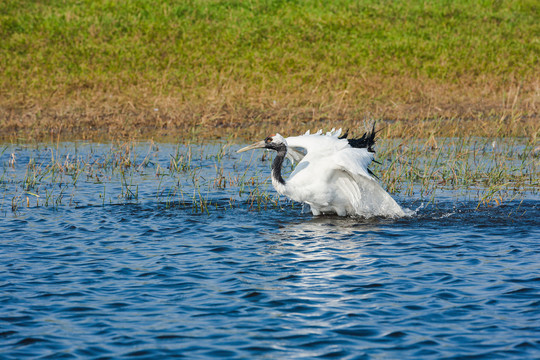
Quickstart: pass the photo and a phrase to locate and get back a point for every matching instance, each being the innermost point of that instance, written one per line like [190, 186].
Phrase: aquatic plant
[204, 178]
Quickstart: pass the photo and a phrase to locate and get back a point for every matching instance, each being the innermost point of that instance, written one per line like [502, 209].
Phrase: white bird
[333, 176]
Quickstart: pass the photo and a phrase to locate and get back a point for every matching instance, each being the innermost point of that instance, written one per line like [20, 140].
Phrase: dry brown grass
[408, 107]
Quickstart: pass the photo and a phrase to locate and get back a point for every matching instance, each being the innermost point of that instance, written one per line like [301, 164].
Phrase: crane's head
[274, 142]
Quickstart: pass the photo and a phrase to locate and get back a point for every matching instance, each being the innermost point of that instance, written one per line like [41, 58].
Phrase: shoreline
[126, 123]
[410, 109]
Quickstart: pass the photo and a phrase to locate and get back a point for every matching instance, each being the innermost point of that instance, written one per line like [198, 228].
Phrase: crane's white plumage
[331, 176]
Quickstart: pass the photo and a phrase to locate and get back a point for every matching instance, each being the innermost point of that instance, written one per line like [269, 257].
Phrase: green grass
[132, 41]
[263, 58]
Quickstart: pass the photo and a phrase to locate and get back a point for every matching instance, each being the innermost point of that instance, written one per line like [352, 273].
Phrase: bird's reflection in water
[322, 249]
[327, 229]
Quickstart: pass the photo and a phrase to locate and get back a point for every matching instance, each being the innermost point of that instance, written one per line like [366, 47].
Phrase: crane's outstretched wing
[328, 143]
[317, 144]
[294, 154]
[353, 161]
[367, 197]
[354, 178]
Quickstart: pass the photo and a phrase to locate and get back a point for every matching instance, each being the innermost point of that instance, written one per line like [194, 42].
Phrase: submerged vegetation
[212, 68]
[213, 177]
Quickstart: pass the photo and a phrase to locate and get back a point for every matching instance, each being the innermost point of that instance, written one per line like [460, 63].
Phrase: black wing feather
[367, 141]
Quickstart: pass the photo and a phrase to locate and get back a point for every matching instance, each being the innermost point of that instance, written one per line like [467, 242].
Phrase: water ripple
[139, 281]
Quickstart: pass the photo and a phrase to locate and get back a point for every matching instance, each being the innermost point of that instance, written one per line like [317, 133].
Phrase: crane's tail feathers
[373, 174]
[366, 141]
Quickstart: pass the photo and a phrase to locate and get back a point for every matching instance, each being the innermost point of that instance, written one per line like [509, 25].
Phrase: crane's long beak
[257, 145]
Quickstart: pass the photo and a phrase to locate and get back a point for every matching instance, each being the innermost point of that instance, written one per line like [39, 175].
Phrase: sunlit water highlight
[148, 273]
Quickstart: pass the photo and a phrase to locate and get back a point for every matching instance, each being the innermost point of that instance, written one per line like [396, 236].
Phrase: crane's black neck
[278, 162]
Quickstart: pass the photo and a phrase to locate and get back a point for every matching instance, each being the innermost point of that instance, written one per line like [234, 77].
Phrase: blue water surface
[150, 280]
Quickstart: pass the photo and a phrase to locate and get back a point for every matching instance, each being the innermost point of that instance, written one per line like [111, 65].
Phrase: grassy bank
[214, 68]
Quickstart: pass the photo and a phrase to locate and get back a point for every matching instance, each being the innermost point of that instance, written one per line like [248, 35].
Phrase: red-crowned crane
[333, 176]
